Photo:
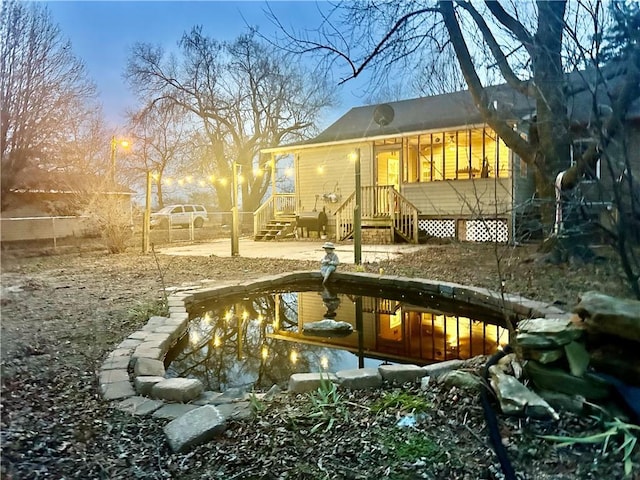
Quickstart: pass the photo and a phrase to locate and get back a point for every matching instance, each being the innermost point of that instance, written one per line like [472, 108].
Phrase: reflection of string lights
[324, 362]
[264, 352]
[293, 356]
[260, 318]
[245, 315]
[228, 316]
[217, 341]
[194, 338]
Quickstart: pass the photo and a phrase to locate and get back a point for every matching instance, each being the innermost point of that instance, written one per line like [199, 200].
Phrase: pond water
[259, 339]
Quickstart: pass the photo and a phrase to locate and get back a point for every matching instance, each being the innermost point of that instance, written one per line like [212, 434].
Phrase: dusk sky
[102, 33]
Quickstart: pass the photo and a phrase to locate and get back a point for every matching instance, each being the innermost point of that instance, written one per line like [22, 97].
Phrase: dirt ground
[61, 314]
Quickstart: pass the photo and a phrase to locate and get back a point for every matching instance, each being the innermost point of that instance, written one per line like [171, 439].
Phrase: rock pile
[593, 355]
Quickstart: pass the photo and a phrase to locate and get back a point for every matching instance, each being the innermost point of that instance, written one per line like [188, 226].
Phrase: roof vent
[383, 114]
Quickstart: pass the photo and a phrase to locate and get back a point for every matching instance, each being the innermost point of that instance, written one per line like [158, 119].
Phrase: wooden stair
[274, 230]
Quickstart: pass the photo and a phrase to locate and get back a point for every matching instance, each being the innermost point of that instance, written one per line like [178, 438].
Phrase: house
[427, 167]
[61, 204]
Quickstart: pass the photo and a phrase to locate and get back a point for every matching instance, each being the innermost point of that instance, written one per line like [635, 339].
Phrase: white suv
[181, 215]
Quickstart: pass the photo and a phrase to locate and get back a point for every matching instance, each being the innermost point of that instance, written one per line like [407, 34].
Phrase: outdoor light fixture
[114, 146]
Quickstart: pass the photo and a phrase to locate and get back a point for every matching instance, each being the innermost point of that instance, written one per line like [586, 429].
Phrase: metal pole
[235, 248]
[146, 218]
[357, 216]
[112, 161]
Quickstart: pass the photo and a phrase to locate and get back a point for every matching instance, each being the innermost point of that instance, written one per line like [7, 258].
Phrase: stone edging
[142, 353]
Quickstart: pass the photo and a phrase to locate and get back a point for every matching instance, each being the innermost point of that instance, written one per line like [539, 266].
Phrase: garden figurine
[329, 262]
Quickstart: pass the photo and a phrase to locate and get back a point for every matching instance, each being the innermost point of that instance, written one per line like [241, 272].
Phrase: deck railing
[379, 203]
[278, 204]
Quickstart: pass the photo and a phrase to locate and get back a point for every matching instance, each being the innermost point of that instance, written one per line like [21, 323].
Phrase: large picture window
[456, 155]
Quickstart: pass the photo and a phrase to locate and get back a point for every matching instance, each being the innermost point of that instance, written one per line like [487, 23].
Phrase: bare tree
[526, 45]
[162, 135]
[43, 90]
[245, 95]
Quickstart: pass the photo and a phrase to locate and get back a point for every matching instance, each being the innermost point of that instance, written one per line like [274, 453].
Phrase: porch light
[212, 178]
[321, 169]
[245, 315]
[264, 353]
[293, 356]
[217, 341]
[257, 172]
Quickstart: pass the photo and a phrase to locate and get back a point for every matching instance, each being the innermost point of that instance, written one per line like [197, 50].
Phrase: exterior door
[388, 168]
[387, 174]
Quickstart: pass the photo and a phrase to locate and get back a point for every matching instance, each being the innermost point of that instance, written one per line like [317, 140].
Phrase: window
[456, 155]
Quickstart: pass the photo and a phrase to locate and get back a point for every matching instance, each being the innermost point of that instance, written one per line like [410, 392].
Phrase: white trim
[306, 146]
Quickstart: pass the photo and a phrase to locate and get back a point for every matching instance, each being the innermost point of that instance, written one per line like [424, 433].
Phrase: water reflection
[258, 340]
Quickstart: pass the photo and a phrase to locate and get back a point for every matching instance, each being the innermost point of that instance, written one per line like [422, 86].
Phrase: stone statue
[329, 262]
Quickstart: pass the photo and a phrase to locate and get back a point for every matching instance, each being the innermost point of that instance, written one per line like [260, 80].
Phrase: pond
[259, 339]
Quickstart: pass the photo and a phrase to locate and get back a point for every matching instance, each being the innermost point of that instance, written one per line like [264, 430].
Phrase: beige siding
[461, 197]
[337, 175]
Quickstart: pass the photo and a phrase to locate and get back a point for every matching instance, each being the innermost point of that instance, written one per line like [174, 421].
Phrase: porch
[386, 217]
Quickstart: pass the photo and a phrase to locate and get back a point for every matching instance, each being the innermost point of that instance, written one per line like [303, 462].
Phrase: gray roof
[455, 110]
[420, 114]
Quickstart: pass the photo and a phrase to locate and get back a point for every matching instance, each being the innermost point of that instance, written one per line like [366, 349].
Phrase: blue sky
[102, 33]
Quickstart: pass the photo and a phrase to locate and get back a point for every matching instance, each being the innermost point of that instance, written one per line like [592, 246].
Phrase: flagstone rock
[555, 379]
[171, 411]
[547, 332]
[516, 399]
[149, 367]
[614, 316]
[463, 380]
[435, 370]
[144, 384]
[401, 373]
[578, 358]
[359, 378]
[177, 389]
[117, 390]
[194, 428]
[307, 382]
[543, 355]
[139, 406]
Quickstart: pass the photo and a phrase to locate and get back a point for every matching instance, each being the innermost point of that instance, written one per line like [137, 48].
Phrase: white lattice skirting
[438, 228]
[487, 231]
[475, 230]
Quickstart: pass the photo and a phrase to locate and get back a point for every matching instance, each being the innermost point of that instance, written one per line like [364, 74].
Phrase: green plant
[411, 445]
[141, 311]
[327, 405]
[614, 428]
[257, 405]
[401, 400]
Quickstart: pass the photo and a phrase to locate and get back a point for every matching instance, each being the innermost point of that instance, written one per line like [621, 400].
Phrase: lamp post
[112, 162]
[357, 214]
[146, 222]
[235, 248]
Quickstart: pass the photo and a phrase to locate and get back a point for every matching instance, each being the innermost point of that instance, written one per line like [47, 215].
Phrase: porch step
[274, 230]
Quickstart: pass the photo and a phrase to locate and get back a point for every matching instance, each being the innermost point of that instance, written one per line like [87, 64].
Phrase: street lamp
[146, 221]
[114, 146]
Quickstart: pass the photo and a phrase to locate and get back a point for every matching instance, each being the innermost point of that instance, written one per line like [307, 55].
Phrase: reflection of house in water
[395, 330]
